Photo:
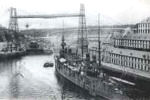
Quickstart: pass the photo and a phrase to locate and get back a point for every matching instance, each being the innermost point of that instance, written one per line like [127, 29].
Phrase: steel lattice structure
[82, 31]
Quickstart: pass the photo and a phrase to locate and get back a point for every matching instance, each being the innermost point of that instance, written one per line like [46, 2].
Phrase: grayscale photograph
[74, 49]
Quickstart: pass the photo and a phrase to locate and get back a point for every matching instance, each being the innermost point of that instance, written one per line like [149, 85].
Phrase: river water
[27, 79]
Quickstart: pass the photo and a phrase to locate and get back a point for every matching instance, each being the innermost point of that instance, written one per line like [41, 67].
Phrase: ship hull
[61, 77]
[58, 73]
[34, 51]
[94, 86]
[11, 55]
[38, 51]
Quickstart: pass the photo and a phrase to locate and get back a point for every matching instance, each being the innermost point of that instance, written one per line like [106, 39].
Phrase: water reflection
[15, 76]
[27, 78]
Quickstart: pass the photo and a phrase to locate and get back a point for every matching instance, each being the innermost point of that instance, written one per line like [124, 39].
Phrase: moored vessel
[35, 48]
[11, 50]
[85, 72]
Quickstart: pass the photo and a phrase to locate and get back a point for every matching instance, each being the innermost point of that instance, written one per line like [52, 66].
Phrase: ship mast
[63, 38]
[82, 32]
[99, 42]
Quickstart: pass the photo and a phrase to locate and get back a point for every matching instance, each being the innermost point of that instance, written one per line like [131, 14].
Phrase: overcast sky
[111, 11]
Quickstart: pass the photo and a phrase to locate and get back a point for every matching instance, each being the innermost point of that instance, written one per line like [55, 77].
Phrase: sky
[111, 12]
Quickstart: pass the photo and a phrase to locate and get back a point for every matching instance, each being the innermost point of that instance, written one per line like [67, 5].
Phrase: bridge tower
[13, 29]
[82, 32]
[13, 23]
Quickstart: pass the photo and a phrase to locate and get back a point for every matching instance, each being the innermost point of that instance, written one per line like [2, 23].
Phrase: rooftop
[147, 20]
[127, 52]
[128, 34]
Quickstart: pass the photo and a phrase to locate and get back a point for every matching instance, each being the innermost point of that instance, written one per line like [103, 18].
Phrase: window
[114, 58]
[144, 44]
[123, 62]
[139, 43]
[140, 63]
[130, 61]
[134, 62]
[136, 43]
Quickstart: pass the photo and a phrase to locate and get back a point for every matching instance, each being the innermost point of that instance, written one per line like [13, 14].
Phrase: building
[129, 52]
[143, 27]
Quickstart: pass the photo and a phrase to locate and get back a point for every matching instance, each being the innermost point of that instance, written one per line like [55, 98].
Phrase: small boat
[48, 64]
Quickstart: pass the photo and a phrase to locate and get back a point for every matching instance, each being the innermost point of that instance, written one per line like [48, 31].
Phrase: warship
[11, 49]
[7, 53]
[76, 65]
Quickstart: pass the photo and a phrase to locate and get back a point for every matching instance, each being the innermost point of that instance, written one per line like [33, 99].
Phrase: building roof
[147, 20]
[129, 34]
[127, 52]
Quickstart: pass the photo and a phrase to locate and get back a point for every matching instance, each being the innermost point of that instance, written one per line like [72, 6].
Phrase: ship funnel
[94, 58]
[87, 57]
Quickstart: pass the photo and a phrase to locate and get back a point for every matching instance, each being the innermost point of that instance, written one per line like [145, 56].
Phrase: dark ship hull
[10, 55]
[34, 48]
[38, 51]
[95, 86]
[34, 51]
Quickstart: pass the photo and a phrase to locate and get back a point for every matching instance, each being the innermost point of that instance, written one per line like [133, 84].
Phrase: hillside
[74, 30]
[7, 35]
